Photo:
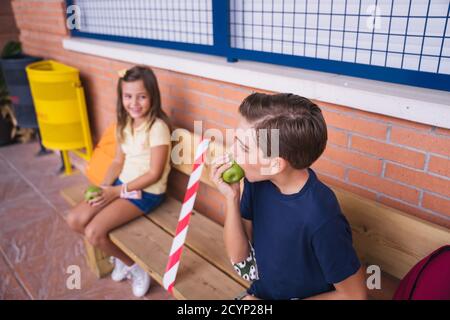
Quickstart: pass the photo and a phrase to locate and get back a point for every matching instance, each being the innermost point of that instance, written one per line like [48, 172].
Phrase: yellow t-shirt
[136, 148]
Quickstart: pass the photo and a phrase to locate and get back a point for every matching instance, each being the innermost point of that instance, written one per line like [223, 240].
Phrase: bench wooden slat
[204, 236]
[387, 237]
[149, 246]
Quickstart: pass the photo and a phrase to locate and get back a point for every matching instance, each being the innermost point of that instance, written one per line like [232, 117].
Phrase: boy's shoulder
[323, 193]
[315, 190]
[325, 207]
[317, 201]
[324, 196]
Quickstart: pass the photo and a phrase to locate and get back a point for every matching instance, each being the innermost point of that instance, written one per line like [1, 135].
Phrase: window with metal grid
[409, 35]
[401, 41]
[172, 20]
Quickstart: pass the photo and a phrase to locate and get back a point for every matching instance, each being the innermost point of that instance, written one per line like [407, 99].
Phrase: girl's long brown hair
[151, 86]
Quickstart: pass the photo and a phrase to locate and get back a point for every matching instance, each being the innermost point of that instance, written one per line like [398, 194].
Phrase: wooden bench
[383, 236]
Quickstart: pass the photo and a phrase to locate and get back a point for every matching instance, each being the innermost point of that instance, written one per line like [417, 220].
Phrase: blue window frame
[405, 42]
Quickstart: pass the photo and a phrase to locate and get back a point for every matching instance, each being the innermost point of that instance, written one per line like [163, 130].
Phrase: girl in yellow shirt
[136, 181]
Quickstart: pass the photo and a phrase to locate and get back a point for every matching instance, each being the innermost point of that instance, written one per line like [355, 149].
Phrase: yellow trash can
[60, 108]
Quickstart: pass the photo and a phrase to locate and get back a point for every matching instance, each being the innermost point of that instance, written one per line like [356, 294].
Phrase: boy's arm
[248, 226]
[235, 234]
[352, 288]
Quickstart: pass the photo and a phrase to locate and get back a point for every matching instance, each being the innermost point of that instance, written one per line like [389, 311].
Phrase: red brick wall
[8, 28]
[402, 164]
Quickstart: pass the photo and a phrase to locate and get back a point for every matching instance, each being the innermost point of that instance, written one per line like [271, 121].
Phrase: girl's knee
[74, 222]
[95, 236]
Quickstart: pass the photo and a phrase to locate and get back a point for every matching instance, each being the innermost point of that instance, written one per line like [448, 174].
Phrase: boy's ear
[280, 164]
[277, 165]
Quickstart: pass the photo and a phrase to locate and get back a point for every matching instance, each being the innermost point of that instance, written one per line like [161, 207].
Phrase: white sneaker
[140, 280]
[120, 271]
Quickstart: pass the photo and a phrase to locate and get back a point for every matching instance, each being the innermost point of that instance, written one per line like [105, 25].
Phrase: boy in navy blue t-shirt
[286, 232]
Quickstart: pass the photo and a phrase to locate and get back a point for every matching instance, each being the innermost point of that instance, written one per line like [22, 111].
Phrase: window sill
[405, 102]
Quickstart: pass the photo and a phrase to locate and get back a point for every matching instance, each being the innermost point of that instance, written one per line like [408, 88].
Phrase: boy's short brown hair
[302, 128]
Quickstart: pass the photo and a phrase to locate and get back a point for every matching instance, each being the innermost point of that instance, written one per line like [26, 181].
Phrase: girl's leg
[112, 216]
[80, 215]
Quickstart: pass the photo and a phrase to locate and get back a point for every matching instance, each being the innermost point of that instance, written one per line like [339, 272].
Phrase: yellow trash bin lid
[51, 71]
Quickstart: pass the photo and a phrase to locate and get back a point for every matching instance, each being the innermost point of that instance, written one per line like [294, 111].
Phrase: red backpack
[429, 279]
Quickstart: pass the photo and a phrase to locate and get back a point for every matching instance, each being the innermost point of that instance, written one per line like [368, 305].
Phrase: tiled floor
[36, 246]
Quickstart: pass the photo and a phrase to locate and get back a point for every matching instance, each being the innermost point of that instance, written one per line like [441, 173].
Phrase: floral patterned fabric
[247, 269]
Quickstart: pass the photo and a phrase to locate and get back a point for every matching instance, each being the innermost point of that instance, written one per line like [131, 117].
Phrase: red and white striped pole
[185, 214]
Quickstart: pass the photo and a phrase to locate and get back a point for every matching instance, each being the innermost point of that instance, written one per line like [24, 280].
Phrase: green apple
[233, 174]
[92, 192]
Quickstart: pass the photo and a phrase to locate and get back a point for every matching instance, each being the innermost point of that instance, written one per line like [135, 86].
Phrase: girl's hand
[218, 166]
[108, 194]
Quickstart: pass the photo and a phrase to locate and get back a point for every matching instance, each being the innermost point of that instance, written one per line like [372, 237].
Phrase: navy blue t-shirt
[302, 241]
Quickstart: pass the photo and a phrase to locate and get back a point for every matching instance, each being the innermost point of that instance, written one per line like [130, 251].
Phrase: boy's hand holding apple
[226, 175]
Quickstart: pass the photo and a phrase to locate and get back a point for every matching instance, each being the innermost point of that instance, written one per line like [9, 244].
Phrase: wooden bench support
[97, 260]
